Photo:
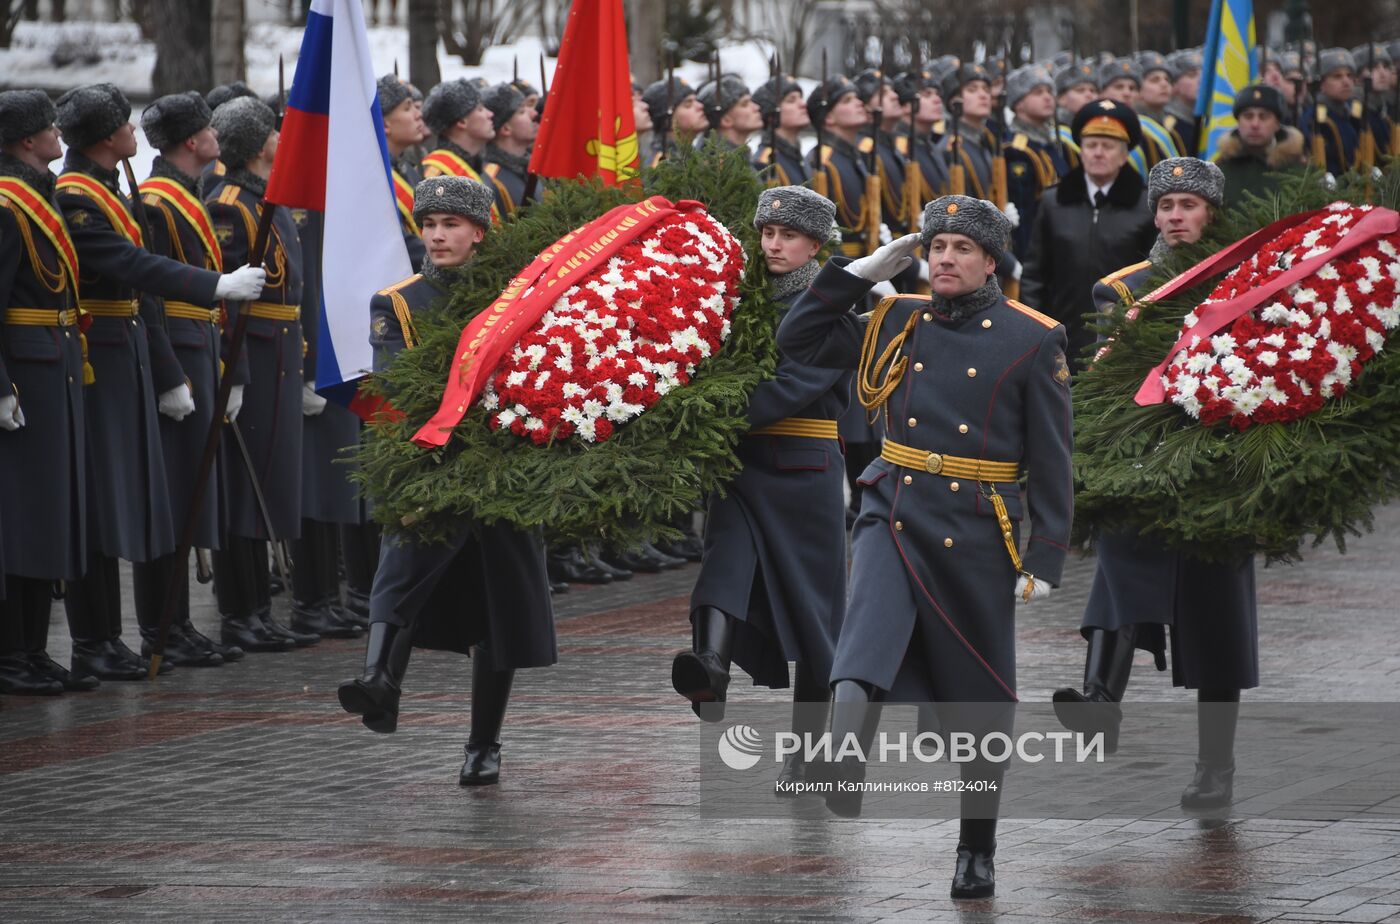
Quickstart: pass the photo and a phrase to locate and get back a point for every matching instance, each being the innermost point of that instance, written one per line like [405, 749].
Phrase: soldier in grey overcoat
[42, 436]
[138, 378]
[772, 585]
[974, 391]
[1141, 588]
[484, 591]
[268, 408]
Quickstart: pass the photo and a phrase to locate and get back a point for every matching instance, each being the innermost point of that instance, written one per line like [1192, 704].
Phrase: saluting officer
[780, 100]
[266, 404]
[403, 128]
[43, 492]
[178, 126]
[977, 396]
[485, 590]
[133, 363]
[1034, 160]
[772, 584]
[508, 156]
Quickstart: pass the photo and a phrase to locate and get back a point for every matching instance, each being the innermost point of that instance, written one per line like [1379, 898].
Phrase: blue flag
[1229, 64]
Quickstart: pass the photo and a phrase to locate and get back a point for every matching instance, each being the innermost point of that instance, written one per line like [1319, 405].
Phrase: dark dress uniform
[43, 491]
[270, 419]
[1333, 123]
[931, 609]
[133, 362]
[788, 167]
[404, 182]
[775, 542]
[1211, 607]
[506, 174]
[1180, 121]
[1033, 165]
[486, 588]
[933, 171]
[182, 230]
[975, 149]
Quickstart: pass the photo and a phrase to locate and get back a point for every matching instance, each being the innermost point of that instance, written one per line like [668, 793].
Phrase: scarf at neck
[786, 285]
[247, 179]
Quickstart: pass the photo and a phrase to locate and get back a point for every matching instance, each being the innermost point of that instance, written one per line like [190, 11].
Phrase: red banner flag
[587, 126]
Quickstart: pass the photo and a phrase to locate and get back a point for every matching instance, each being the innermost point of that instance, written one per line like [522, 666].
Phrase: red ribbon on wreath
[490, 335]
[1216, 317]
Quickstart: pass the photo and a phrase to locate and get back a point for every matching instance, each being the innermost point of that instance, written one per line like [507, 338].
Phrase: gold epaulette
[867, 144]
[1113, 277]
[1321, 115]
[940, 127]
[1031, 313]
[1356, 109]
[825, 154]
[901, 144]
[1020, 142]
[402, 283]
[492, 169]
[1169, 122]
[764, 156]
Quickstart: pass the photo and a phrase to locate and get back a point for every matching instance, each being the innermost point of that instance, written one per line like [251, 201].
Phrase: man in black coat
[484, 590]
[1095, 221]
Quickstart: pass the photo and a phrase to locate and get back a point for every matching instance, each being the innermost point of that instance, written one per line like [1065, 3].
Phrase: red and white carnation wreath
[1281, 361]
[633, 330]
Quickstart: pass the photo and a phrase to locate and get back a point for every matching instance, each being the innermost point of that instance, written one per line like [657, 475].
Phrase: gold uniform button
[962, 428]
[948, 543]
[918, 367]
[913, 422]
[928, 316]
[972, 373]
[898, 524]
[986, 322]
[908, 479]
[952, 486]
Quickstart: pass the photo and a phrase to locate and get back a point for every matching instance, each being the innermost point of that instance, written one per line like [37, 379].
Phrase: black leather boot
[567, 564]
[974, 876]
[104, 661]
[374, 695]
[19, 678]
[689, 546]
[490, 695]
[1213, 785]
[595, 558]
[1107, 664]
[810, 696]
[181, 649]
[855, 710]
[229, 653]
[71, 681]
[701, 675]
[299, 639]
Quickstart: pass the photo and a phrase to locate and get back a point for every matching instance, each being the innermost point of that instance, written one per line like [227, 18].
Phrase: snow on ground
[59, 56]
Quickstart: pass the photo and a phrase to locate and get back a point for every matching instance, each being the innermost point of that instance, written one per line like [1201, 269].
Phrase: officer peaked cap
[86, 115]
[454, 195]
[1106, 119]
[24, 113]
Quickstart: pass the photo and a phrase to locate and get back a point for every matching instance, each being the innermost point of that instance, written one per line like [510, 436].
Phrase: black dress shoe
[165, 666]
[298, 638]
[637, 560]
[668, 562]
[611, 570]
[975, 875]
[1213, 787]
[569, 565]
[356, 608]
[104, 661]
[181, 649]
[319, 619]
[18, 678]
[794, 771]
[346, 620]
[482, 766]
[248, 633]
[71, 681]
[701, 677]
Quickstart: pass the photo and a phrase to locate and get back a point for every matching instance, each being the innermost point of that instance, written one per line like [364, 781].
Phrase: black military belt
[41, 317]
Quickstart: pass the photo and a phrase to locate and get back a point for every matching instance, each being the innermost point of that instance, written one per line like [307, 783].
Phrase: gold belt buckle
[934, 463]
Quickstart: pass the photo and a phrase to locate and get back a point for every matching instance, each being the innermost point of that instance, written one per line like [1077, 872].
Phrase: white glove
[311, 403]
[235, 402]
[886, 262]
[883, 289]
[1039, 589]
[242, 285]
[886, 235]
[1012, 214]
[11, 417]
[1329, 182]
[177, 403]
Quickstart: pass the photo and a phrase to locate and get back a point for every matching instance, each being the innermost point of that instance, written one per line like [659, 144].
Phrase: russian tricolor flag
[333, 158]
